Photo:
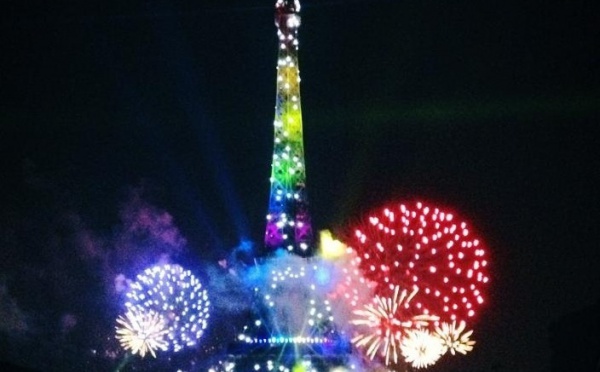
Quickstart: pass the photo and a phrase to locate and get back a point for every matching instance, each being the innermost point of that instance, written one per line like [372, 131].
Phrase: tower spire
[288, 221]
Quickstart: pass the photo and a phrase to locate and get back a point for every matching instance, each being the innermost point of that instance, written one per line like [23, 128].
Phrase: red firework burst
[428, 248]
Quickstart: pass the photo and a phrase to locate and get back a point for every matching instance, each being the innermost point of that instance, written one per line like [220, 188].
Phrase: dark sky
[489, 108]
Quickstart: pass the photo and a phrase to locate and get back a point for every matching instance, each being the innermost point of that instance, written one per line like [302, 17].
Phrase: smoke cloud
[12, 318]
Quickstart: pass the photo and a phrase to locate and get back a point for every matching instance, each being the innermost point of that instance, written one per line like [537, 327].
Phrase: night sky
[490, 109]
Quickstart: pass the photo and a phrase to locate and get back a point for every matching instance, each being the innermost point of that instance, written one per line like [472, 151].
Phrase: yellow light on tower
[331, 248]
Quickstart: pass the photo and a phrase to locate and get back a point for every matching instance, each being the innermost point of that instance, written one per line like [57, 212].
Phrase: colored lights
[285, 340]
[412, 272]
[419, 226]
[289, 224]
[177, 296]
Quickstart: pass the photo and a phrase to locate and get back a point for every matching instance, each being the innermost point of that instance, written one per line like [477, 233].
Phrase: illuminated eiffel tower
[288, 221]
[293, 327]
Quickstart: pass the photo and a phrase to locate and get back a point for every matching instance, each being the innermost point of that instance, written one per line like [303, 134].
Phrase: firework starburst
[420, 348]
[454, 339]
[385, 324]
[142, 332]
[177, 295]
[418, 245]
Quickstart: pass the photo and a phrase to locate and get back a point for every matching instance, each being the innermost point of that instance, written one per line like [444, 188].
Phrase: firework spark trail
[454, 339]
[386, 324]
[142, 332]
[420, 348]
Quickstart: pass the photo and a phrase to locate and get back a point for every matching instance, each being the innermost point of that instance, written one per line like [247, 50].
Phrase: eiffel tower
[288, 221]
[293, 328]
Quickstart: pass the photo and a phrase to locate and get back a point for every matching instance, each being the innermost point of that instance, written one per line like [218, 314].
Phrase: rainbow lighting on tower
[288, 220]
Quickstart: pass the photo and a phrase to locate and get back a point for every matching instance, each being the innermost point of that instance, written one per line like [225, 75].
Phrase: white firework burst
[142, 332]
[453, 338]
[385, 325]
[178, 296]
[420, 348]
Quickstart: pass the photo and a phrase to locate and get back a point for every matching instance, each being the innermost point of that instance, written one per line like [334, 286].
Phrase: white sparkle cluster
[271, 366]
[142, 332]
[298, 310]
[177, 295]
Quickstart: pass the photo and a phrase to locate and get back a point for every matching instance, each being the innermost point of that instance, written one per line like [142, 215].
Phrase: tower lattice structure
[293, 328]
[288, 220]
